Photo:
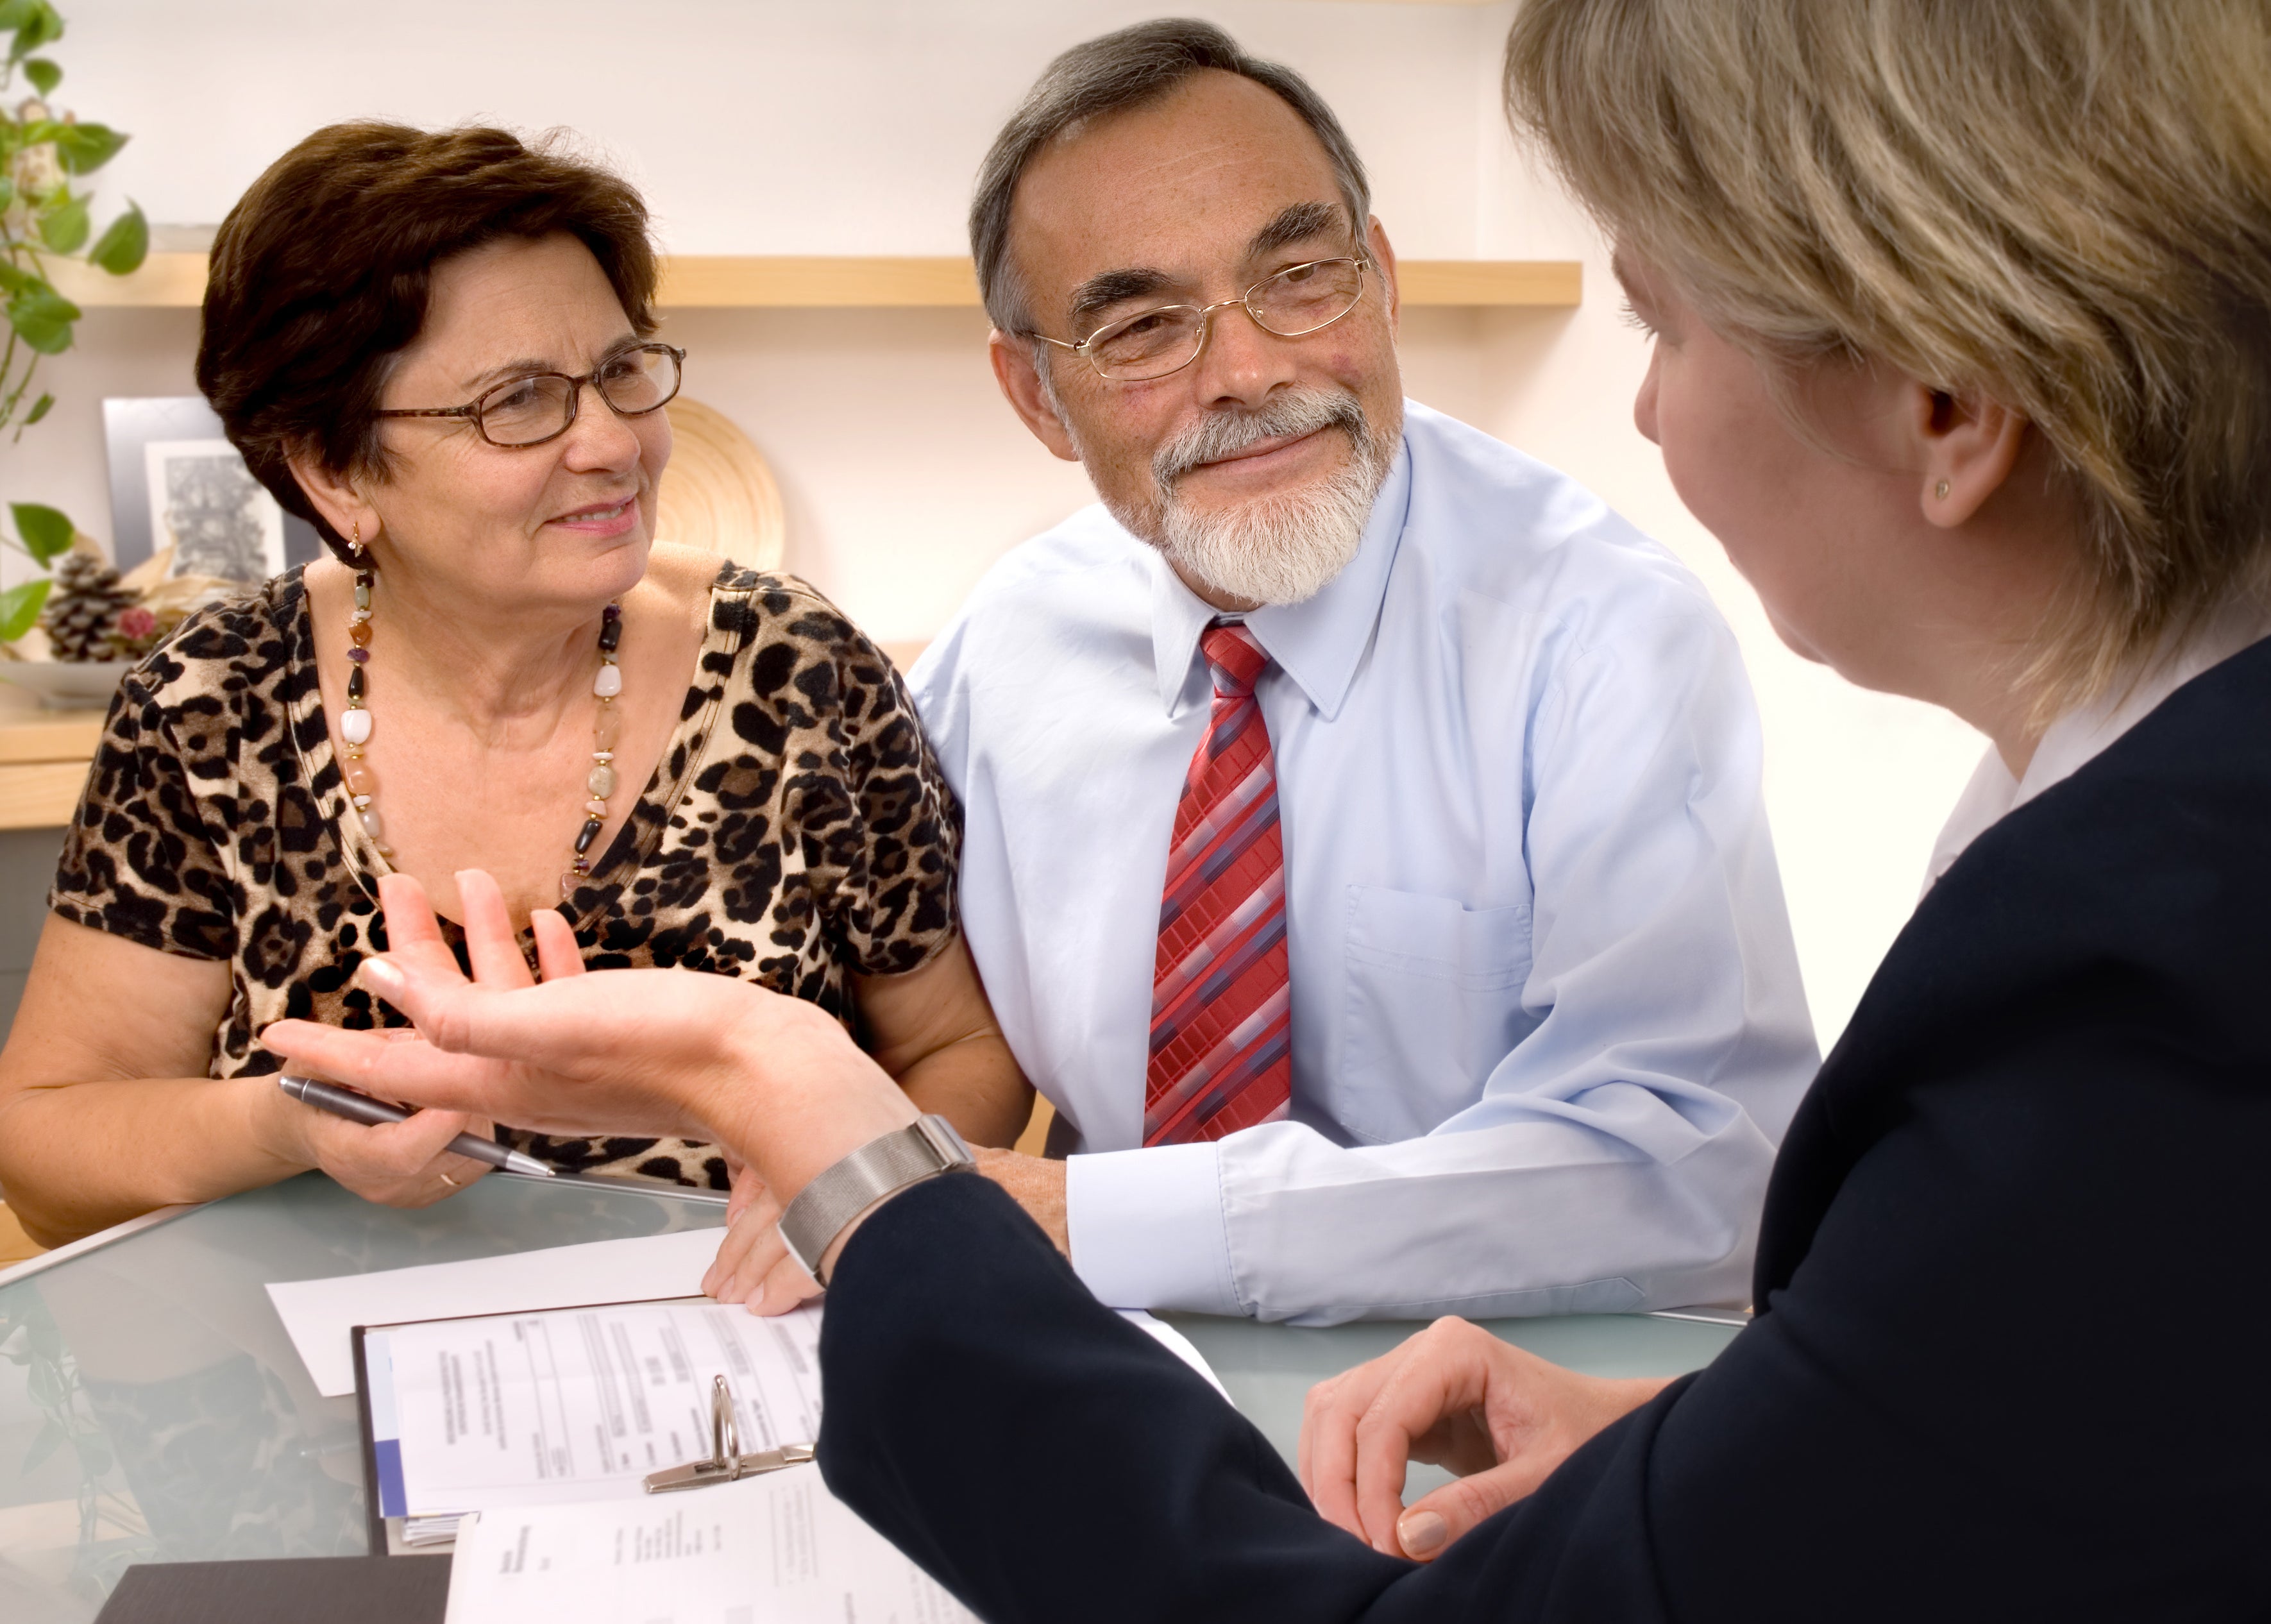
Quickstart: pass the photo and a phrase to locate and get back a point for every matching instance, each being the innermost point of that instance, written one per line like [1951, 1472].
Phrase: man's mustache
[1223, 434]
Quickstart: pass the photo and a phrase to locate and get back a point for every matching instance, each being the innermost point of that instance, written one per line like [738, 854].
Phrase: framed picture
[176, 481]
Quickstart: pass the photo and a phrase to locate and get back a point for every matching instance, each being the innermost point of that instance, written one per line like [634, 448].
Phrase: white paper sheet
[581, 1404]
[319, 1314]
[779, 1548]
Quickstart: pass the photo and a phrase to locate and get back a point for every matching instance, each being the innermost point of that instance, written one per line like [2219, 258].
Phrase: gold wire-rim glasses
[1203, 322]
[486, 401]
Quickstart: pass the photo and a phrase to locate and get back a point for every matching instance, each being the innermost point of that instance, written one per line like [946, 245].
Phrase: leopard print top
[796, 831]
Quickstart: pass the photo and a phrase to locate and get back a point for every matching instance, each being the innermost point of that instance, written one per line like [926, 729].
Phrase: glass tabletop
[152, 1409]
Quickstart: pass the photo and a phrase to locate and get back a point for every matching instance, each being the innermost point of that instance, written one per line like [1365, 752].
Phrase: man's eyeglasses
[1293, 302]
[541, 406]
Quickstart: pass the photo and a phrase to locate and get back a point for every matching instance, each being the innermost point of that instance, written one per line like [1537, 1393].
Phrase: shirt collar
[1316, 643]
[2076, 738]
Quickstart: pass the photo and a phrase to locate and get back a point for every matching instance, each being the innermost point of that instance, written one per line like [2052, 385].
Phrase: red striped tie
[1221, 1027]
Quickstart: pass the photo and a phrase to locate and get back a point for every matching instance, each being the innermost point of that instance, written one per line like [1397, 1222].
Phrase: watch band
[905, 1156]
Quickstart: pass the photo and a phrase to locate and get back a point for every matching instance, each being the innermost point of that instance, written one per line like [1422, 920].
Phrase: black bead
[354, 683]
[590, 833]
[611, 632]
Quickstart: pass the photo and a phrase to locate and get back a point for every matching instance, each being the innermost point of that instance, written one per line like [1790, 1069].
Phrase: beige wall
[759, 126]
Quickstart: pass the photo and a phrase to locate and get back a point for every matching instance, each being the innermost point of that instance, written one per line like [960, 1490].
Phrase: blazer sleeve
[1948, 1412]
[1042, 1458]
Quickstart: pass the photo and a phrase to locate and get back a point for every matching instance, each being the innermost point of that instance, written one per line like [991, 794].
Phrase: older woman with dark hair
[1961, 319]
[439, 348]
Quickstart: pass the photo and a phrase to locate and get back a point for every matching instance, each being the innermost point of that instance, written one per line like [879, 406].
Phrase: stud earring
[1941, 490]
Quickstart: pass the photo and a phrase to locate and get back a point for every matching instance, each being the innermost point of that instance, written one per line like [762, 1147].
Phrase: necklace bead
[607, 727]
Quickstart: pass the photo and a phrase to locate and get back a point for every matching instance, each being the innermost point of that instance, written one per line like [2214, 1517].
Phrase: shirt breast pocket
[1435, 1002]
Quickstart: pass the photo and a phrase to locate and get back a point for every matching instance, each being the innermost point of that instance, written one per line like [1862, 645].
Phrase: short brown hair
[321, 274]
[2065, 206]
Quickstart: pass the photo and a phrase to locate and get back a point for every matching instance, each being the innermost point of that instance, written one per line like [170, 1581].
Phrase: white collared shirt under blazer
[1546, 1015]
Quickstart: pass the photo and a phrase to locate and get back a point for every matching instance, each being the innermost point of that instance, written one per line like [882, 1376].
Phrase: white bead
[372, 823]
[354, 726]
[601, 782]
[361, 802]
[610, 682]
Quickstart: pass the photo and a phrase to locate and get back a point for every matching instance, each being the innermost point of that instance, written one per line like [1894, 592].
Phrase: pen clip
[727, 1463]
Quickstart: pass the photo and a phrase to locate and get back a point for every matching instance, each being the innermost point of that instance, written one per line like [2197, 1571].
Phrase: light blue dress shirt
[1547, 1021]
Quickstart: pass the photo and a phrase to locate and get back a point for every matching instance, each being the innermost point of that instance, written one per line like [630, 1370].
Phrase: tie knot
[1235, 657]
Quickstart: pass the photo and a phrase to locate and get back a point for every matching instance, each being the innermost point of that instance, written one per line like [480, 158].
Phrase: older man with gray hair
[1364, 848]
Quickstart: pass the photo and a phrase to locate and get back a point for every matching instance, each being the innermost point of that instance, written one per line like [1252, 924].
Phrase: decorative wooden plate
[718, 494]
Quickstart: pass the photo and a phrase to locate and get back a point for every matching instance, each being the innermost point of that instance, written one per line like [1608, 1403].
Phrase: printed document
[779, 1547]
[319, 1314]
[577, 1403]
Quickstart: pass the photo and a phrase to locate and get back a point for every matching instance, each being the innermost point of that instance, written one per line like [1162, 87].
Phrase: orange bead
[360, 779]
[608, 728]
[359, 633]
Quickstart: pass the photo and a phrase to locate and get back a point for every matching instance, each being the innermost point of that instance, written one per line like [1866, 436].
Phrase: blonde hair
[2064, 205]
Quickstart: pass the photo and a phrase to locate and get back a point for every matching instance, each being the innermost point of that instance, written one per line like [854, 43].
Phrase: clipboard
[387, 1517]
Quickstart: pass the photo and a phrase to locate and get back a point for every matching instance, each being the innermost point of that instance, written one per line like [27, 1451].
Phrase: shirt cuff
[1147, 1228]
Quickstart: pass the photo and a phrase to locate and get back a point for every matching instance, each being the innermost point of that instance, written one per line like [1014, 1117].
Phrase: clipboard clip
[727, 1463]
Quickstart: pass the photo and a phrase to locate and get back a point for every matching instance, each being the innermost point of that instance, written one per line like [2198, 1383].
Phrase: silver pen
[362, 1108]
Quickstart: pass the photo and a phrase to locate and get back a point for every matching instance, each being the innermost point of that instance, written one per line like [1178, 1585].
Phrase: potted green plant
[46, 154]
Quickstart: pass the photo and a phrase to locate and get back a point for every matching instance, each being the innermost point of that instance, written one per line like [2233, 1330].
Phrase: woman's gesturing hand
[618, 1051]
[1454, 1396]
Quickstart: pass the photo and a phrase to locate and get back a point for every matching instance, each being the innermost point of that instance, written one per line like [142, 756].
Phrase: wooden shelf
[720, 281]
[43, 761]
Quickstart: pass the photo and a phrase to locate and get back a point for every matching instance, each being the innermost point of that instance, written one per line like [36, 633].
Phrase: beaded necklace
[607, 729]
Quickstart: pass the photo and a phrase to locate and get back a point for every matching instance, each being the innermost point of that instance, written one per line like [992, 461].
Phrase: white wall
[768, 126]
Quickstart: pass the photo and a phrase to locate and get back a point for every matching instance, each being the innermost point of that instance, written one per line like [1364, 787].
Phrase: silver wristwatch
[925, 1147]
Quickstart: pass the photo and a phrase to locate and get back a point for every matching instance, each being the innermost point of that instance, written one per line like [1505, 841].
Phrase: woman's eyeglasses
[1293, 303]
[541, 406]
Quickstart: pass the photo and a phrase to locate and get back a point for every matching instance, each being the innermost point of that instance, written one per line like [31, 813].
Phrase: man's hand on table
[774, 1080]
[1038, 1184]
[752, 1265]
[1457, 1396]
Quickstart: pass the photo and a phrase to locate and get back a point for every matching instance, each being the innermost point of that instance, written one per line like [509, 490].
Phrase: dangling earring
[355, 541]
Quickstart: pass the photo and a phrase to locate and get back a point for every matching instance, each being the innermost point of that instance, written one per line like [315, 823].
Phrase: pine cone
[83, 608]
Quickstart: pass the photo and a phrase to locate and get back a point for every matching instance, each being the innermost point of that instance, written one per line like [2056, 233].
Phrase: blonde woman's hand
[1455, 1396]
[620, 1051]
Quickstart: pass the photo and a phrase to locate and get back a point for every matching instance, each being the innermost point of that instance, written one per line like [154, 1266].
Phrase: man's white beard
[1285, 546]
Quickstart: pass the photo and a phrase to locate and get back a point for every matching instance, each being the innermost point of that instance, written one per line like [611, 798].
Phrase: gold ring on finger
[451, 1182]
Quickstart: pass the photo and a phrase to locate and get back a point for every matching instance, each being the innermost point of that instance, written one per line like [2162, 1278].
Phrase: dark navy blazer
[2013, 1356]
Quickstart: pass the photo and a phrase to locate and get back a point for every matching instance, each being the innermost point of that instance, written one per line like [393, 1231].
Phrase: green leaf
[65, 227]
[41, 26]
[39, 410]
[123, 244]
[13, 14]
[51, 1436]
[47, 531]
[16, 280]
[85, 148]
[44, 75]
[42, 318]
[20, 606]
[7, 191]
